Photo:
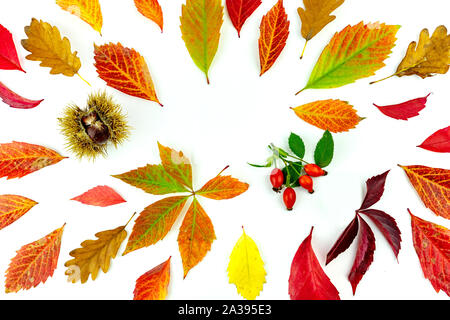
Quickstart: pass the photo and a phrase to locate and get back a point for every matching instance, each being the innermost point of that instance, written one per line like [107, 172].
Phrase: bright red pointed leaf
[438, 141]
[307, 280]
[388, 227]
[100, 196]
[344, 241]
[153, 284]
[8, 54]
[364, 254]
[15, 101]
[375, 189]
[240, 10]
[405, 110]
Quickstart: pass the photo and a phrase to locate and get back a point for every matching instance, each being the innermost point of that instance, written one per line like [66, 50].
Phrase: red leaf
[364, 255]
[438, 141]
[375, 189]
[344, 241]
[14, 100]
[240, 10]
[405, 110]
[8, 53]
[153, 284]
[100, 196]
[307, 280]
[387, 226]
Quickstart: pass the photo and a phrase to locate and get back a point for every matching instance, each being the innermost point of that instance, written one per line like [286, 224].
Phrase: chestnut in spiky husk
[89, 130]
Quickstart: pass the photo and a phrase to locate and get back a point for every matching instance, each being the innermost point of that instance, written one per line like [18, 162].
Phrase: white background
[229, 122]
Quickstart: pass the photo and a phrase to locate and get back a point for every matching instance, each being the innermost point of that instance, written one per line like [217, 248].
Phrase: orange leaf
[433, 187]
[222, 187]
[13, 207]
[150, 9]
[153, 284]
[125, 70]
[432, 244]
[34, 262]
[87, 10]
[18, 159]
[274, 31]
[332, 115]
[176, 164]
[195, 237]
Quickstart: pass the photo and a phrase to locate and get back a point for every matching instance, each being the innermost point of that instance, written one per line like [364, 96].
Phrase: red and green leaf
[176, 164]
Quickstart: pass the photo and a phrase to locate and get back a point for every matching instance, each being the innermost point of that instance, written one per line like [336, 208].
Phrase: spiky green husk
[109, 113]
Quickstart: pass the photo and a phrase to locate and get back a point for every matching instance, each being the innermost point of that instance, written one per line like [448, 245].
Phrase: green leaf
[292, 172]
[324, 150]
[296, 145]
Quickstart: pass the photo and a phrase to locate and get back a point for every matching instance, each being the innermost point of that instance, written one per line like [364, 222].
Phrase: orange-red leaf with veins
[12, 207]
[100, 196]
[151, 10]
[222, 187]
[240, 10]
[153, 284]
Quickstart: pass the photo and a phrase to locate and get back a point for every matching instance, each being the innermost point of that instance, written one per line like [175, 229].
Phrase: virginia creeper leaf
[18, 159]
[274, 31]
[34, 263]
[12, 207]
[87, 10]
[151, 10]
[307, 280]
[222, 187]
[153, 285]
[15, 101]
[8, 53]
[240, 10]
[176, 164]
[297, 145]
[101, 196]
[344, 241]
[405, 110]
[375, 189]
[200, 28]
[324, 151]
[438, 141]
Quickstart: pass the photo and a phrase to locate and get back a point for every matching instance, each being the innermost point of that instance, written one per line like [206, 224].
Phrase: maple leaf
[101, 196]
[34, 262]
[151, 10]
[332, 115]
[246, 268]
[113, 63]
[15, 101]
[12, 207]
[438, 141]
[153, 285]
[405, 110]
[315, 16]
[433, 187]
[240, 10]
[87, 10]
[200, 29]
[354, 53]
[46, 45]
[18, 159]
[8, 53]
[274, 31]
[432, 244]
[307, 280]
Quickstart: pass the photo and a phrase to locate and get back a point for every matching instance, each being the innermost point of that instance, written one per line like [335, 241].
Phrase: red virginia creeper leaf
[307, 280]
[438, 141]
[12, 207]
[344, 241]
[153, 284]
[364, 254]
[100, 196]
[405, 110]
[15, 101]
[8, 53]
[388, 227]
[240, 10]
[375, 189]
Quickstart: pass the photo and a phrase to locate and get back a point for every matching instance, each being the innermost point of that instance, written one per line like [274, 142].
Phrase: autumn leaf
[432, 244]
[433, 187]
[100, 196]
[124, 69]
[153, 285]
[151, 10]
[274, 31]
[375, 189]
[315, 16]
[246, 268]
[344, 241]
[405, 110]
[87, 10]
[200, 29]
[154, 222]
[222, 187]
[195, 237]
[176, 164]
[332, 115]
[8, 53]
[34, 263]
[18, 159]
[15, 101]
[240, 10]
[354, 53]
[307, 280]
[46, 45]
[438, 141]
[12, 207]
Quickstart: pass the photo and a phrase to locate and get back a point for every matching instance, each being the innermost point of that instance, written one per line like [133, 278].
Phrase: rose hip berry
[277, 179]
[306, 182]
[313, 170]
[289, 198]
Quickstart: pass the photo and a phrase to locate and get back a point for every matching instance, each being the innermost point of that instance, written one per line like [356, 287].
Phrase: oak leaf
[12, 207]
[151, 10]
[8, 53]
[153, 285]
[405, 110]
[87, 10]
[15, 101]
[438, 141]
[240, 10]
[100, 196]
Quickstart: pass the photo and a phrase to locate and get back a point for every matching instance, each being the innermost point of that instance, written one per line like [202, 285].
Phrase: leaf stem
[303, 52]
[301, 91]
[392, 75]
[129, 220]
[84, 79]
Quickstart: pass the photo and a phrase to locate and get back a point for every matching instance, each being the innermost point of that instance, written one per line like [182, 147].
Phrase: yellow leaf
[87, 10]
[246, 268]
